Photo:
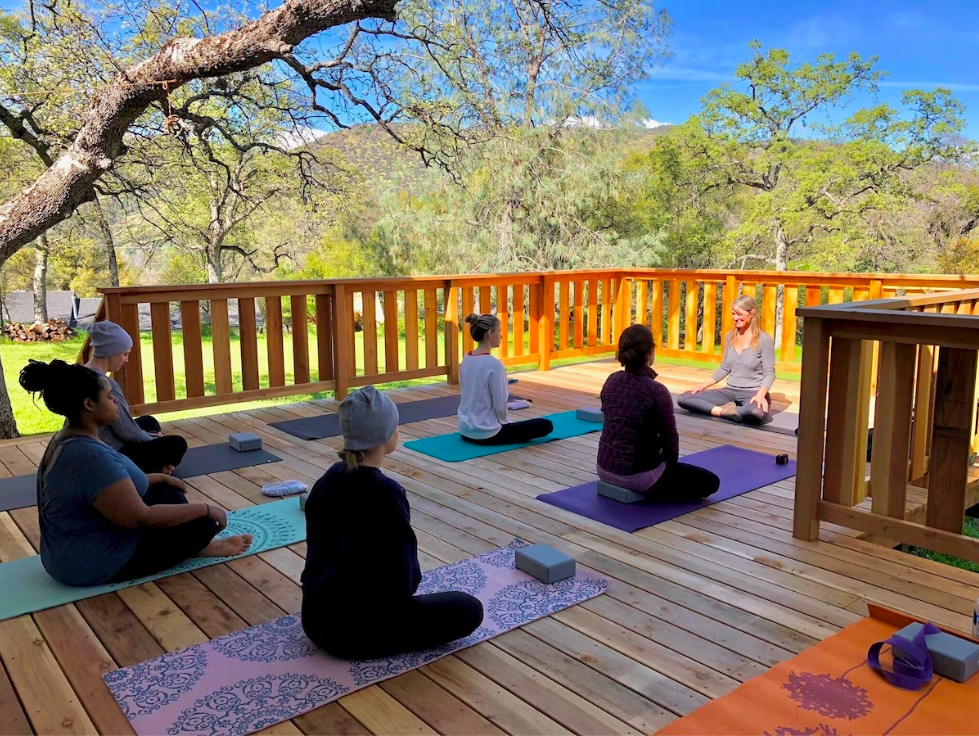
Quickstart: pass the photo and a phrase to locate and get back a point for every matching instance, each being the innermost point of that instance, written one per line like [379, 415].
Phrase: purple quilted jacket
[640, 428]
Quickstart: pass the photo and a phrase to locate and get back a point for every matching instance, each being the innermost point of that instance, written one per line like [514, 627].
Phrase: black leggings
[154, 455]
[703, 401]
[516, 433]
[161, 548]
[681, 482]
[388, 629]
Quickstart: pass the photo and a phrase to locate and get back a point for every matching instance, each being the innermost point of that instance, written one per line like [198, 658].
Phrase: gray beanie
[109, 339]
[368, 419]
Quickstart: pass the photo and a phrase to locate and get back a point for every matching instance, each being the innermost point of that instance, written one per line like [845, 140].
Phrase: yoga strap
[912, 662]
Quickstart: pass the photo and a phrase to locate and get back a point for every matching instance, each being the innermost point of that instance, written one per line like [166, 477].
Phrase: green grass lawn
[971, 529]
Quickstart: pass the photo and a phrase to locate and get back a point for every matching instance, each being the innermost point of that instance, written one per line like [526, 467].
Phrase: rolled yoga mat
[257, 677]
[18, 492]
[451, 448]
[740, 471]
[783, 422]
[328, 425]
[218, 458]
[28, 588]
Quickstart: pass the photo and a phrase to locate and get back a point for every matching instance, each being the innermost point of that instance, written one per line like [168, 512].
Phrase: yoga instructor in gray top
[748, 363]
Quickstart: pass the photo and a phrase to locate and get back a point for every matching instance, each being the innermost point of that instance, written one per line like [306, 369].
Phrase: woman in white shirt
[485, 392]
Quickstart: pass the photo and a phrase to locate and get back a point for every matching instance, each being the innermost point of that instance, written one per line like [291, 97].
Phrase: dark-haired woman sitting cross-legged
[102, 519]
[640, 447]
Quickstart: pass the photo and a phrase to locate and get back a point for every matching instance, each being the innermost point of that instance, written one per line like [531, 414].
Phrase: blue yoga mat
[451, 448]
[28, 588]
[740, 471]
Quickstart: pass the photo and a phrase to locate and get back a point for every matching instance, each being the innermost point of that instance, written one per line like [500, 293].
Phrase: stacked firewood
[56, 330]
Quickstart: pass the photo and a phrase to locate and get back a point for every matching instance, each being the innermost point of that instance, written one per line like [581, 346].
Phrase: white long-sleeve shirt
[485, 391]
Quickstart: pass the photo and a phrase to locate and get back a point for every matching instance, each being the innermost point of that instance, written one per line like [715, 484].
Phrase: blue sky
[920, 45]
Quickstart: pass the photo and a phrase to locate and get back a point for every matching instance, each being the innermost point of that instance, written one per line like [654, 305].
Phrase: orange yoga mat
[829, 690]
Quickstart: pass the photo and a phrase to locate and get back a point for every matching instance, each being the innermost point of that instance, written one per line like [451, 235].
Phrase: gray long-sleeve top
[124, 430]
[749, 369]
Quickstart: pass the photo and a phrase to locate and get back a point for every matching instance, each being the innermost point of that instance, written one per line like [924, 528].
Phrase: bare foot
[228, 547]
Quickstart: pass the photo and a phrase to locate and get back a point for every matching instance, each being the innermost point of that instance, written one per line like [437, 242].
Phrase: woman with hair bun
[485, 392]
[748, 363]
[102, 519]
[640, 448]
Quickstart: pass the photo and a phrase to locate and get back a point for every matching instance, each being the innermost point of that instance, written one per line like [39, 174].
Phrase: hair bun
[472, 319]
[36, 376]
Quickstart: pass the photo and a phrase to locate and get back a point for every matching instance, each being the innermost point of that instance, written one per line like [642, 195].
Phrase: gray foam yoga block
[590, 415]
[545, 563]
[245, 442]
[952, 657]
[617, 493]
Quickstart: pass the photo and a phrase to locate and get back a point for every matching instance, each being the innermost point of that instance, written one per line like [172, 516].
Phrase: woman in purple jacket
[640, 447]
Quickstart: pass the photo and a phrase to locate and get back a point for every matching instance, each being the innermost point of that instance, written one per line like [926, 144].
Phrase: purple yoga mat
[740, 471]
[255, 678]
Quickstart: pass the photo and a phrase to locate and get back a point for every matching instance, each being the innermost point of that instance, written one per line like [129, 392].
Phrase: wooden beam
[847, 421]
[951, 442]
[809, 453]
[892, 428]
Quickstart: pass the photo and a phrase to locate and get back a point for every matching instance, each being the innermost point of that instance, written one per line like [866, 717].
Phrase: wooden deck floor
[696, 606]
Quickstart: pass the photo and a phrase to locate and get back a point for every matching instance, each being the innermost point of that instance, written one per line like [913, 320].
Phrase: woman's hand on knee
[761, 401]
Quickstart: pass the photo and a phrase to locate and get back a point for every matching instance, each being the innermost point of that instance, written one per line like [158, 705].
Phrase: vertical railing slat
[518, 319]
[593, 309]
[324, 337]
[221, 344]
[273, 341]
[248, 340]
[579, 313]
[162, 351]
[791, 303]
[656, 313]
[607, 312]
[536, 298]
[847, 421]
[411, 329]
[673, 331]
[300, 338]
[892, 420]
[710, 317]
[452, 333]
[503, 314]
[563, 313]
[190, 324]
[134, 368]
[431, 328]
[344, 346]
[769, 309]
[642, 301]
[369, 332]
[690, 318]
[468, 307]
[391, 347]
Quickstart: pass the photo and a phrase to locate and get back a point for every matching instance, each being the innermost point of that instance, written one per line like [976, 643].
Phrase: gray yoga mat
[218, 458]
[18, 492]
[783, 422]
[328, 425]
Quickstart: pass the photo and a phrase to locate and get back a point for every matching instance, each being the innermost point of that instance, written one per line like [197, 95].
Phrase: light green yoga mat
[27, 588]
[451, 448]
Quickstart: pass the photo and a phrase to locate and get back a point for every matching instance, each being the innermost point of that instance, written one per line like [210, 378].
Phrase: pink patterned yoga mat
[257, 677]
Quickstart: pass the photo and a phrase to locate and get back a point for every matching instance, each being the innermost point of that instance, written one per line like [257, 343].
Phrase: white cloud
[649, 124]
[954, 86]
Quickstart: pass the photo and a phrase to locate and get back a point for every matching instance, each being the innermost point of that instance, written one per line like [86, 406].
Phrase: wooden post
[809, 452]
[343, 339]
[892, 426]
[923, 395]
[545, 320]
[847, 421]
[951, 438]
[623, 306]
[133, 372]
[112, 310]
[452, 333]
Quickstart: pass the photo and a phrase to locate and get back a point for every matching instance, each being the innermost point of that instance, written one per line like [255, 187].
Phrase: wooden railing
[924, 418]
[339, 334]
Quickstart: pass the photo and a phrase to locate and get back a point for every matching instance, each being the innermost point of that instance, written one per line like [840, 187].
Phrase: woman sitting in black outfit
[362, 567]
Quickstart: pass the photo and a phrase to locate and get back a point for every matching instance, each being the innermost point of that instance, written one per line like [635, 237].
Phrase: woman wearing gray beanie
[140, 439]
[362, 567]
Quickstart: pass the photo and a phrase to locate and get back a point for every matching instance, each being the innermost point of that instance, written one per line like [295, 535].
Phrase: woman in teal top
[102, 519]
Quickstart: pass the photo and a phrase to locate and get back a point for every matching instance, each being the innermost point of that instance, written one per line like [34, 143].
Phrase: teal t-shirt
[80, 546]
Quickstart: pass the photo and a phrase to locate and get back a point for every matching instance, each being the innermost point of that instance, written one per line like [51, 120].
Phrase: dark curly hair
[64, 387]
[635, 345]
[481, 324]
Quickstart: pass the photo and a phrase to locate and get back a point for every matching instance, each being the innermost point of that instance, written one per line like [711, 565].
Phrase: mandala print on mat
[149, 686]
[280, 640]
[466, 576]
[531, 599]
[267, 532]
[251, 705]
[374, 670]
[503, 557]
[835, 697]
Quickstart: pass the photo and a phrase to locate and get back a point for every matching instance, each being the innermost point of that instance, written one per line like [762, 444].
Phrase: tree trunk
[781, 264]
[213, 256]
[41, 280]
[8, 425]
[108, 243]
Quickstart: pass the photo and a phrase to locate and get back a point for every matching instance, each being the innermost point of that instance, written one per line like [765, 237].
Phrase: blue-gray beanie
[109, 339]
[368, 419]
